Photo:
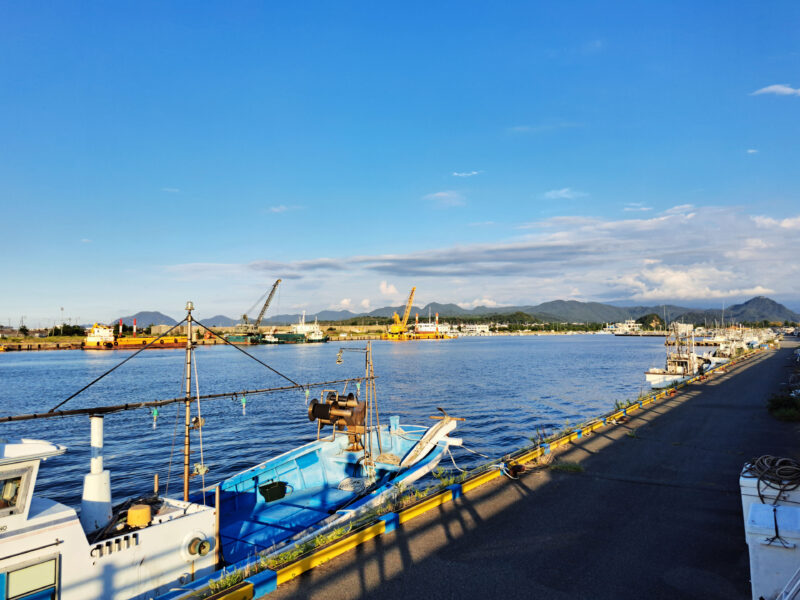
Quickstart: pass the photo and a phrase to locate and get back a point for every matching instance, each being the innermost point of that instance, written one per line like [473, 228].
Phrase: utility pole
[62, 320]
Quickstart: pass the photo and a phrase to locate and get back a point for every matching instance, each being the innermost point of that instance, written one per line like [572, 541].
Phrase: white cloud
[86, 241]
[445, 199]
[484, 301]
[680, 209]
[788, 223]
[686, 283]
[344, 304]
[752, 151]
[364, 304]
[564, 194]
[636, 207]
[388, 289]
[278, 209]
[779, 89]
[686, 253]
[466, 173]
[170, 190]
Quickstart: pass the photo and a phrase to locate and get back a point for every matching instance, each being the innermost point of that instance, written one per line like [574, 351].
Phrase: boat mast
[187, 402]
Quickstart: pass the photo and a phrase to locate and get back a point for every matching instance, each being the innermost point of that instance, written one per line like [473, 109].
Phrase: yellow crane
[399, 329]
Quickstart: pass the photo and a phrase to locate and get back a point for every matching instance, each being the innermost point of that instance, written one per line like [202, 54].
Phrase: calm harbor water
[505, 387]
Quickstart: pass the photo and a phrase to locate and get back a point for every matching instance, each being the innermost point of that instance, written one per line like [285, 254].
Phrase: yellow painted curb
[332, 551]
[478, 481]
[424, 506]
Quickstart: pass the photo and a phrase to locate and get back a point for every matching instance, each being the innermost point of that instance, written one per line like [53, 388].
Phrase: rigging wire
[172, 447]
[214, 333]
[199, 426]
[63, 402]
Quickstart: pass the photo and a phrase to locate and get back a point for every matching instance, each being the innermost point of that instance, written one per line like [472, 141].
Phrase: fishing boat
[682, 362]
[156, 546]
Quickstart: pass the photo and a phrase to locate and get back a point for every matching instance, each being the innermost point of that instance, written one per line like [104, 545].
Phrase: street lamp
[62, 320]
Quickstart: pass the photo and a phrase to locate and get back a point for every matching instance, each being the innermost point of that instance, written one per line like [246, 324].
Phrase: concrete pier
[653, 512]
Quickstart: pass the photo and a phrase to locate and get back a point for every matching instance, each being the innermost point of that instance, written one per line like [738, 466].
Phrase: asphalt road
[654, 513]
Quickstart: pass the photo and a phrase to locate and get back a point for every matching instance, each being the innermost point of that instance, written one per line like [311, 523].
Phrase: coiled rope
[780, 474]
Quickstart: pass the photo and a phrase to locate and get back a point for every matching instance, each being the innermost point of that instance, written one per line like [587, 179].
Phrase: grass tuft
[566, 467]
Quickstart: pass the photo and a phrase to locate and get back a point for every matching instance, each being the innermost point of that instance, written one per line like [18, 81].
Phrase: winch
[344, 413]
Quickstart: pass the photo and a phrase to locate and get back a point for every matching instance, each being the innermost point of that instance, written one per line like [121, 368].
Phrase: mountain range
[759, 308]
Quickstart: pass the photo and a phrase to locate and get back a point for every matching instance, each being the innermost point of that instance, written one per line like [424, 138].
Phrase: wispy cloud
[681, 209]
[466, 173]
[86, 241]
[542, 127]
[445, 199]
[481, 224]
[281, 208]
[769, 222]
[778, 89]
[593, 47]
[636, 207]
[170, 190]
[672, 255]
[564, 194]
[752, 151]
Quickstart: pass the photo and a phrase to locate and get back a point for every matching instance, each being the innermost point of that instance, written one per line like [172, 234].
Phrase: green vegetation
[566, 467]
[784, 407]
[651, 322]
[228, 579]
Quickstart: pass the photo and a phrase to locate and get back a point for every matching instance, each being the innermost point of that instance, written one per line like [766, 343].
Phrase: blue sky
[513, 154]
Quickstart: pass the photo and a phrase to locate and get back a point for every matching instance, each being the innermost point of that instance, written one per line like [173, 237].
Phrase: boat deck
[257, 526]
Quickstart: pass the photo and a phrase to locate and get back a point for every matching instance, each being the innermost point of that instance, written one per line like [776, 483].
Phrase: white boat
[48, 551]
[312, 333]
[682, 362]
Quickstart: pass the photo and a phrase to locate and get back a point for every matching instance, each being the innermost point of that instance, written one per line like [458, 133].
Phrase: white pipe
[96, 500]
[97, 444]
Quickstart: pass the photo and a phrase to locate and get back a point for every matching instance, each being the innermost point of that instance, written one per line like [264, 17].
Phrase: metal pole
[187, 402]
[217, 537]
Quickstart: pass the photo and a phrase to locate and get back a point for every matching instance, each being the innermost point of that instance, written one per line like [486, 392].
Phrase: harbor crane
[398, 330]
[246, 326]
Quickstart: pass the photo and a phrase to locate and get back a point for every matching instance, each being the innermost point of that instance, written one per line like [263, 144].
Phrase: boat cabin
[47, 554]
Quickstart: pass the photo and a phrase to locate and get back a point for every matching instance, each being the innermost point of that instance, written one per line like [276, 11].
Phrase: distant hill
[219, 321]
[571, 311]
[332, 315]
[756, 309]
[147, 317]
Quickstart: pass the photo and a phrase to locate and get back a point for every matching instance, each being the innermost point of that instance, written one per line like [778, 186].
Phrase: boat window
[32, 582]
[10, 492]
[13, 485]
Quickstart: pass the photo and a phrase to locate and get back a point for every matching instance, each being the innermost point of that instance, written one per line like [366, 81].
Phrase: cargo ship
[101, 337]
[302, 333]
[433, 330]
[134, 343]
